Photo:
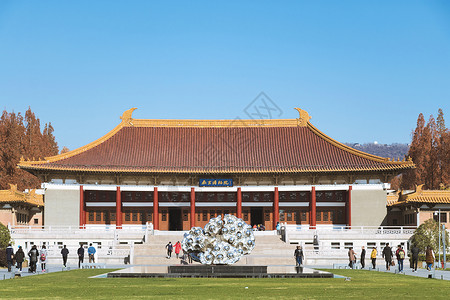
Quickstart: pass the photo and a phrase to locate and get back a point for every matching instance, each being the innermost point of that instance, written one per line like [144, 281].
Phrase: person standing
[278, 228]
[400, 253]
[43, 258]
[33, 254]
[363, 257]
[19, 257]
[429, 258]
[65, 254]
[177, 248]
[387, 255]
[415, 257]
[9, 256]
[351, 257]
[373, 256]
[298, 253]
[169, 248]
[91, 253]
[80, 253]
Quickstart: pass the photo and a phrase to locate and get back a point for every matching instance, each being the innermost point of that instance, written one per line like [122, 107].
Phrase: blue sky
[364, 70]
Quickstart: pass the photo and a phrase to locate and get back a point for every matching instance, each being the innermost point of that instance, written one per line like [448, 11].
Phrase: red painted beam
[155, 209]
[349, 206]
[82, 210]
[239, 203]
[312, 208]
[192, 215]
[276, 208]
[118, 208]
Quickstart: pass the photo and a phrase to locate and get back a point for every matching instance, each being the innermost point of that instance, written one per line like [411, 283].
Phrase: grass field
[363, 285]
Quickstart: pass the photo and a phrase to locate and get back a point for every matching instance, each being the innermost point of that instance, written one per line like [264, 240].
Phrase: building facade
[21, 208]
[179, 173]
[415, 207]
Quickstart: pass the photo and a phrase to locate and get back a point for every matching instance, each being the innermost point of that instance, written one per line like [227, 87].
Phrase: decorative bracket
[127, 116]
[303, 118]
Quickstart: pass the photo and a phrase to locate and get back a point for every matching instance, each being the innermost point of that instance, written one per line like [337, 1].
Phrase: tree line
[21, 136]
[430, 151]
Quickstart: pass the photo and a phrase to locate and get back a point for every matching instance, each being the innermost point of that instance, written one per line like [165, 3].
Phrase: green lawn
[364, 284]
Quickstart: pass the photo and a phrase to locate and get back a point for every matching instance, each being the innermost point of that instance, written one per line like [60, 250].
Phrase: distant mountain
[384, 150]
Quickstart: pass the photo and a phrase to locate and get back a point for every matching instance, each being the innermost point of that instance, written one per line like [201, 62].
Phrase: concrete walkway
[4, 274]
[438, 274]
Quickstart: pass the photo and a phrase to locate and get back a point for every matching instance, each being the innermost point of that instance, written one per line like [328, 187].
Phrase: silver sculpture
[221, 242]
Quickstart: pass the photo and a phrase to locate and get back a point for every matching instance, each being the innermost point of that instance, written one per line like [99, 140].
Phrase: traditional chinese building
[415, 207]
[20, 208]
[180, 173]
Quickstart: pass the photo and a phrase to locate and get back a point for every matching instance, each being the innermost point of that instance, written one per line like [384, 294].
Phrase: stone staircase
[269, 250]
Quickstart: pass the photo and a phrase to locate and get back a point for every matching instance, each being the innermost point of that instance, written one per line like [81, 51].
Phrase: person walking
[429, 258]
[19, 257]
[43, 258]
[363, 257]
[298, 253]
[91, 253]
[33, 254]
[373, 256]
[400, 254]
[80, 253]
[351, 258]
[387, 255]
[415, 257]
[177, 248]
[65, 254]
[9, 256]
[169, 248]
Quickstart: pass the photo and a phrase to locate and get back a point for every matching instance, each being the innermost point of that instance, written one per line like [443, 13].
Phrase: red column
[82, 211]
[155, 209]
[276, 209]
[192, 207]
[349, 206]
[239, 203]
[118, 208]
[312, 208]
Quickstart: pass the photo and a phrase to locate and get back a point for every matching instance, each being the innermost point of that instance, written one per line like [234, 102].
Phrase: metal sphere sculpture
[221, 242]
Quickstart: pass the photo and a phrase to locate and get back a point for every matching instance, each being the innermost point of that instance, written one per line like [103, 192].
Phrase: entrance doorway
[175, 221]
[257, 216]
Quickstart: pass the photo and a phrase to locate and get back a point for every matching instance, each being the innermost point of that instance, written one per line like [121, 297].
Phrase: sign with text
[215, 182]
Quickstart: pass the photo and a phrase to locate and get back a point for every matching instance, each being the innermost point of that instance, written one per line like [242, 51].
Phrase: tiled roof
[223, 146]
[14, 196]
[422, 196]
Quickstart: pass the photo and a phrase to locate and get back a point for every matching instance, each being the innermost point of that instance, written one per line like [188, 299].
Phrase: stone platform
[220, 271]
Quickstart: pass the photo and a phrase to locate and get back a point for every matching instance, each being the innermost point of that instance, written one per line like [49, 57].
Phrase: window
[205, 215]
[91, 216]
[98, 216]
[318, 216]
[149, 216]
[245, 216]
[282, 218]
[267, 217]
[36, 221]
[289, 216]
[303, 214]
[113, 216]
[164, 216]
[335, 245]
[212, 214]
[134, 216]
[185, 215]
[106, 216]
[325, 216]
[127, 216]
[348, 245]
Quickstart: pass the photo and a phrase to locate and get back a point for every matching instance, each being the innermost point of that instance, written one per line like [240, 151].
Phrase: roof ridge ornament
[127, 116]
[303, 118]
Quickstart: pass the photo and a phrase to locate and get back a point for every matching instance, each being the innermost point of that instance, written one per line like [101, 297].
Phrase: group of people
[40, 256]
[177, 247]
[259, 227]
[18, 258]
[388, 254]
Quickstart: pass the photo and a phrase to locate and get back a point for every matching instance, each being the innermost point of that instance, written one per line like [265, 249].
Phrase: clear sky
[364, 70]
